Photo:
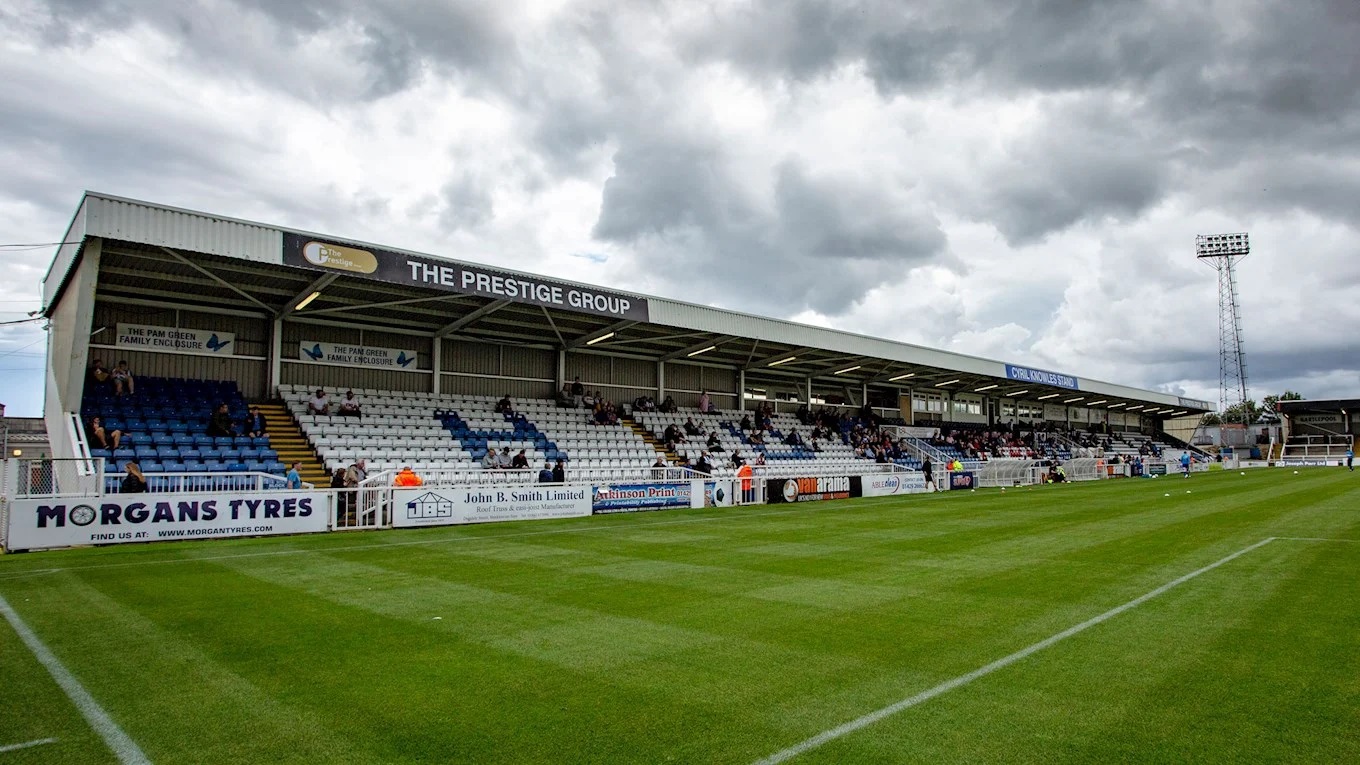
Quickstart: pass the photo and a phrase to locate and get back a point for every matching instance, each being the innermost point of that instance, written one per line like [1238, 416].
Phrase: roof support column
[275, 358]
[660, 382]
[864, 394]
[561, 368]
[437, 362]
[809, 393]
[741, 389]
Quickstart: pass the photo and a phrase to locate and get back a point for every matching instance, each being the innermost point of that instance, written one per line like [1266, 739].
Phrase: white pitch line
[118, 740]
[1315, 539]
[26, 744]
[962, 680]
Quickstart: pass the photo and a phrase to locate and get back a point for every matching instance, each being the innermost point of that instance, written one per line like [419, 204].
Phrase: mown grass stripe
[117, 739]
[860, 722]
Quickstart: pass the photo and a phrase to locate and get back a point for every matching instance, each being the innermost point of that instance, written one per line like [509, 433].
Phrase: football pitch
[1100, 622]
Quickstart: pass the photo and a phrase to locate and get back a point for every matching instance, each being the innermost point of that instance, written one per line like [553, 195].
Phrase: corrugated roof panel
[181, 230]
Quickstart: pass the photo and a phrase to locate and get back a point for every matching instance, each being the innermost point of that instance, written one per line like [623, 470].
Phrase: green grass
[723, 636]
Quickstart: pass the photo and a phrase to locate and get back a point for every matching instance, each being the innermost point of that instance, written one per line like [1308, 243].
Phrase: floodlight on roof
[702, 350]
[1018, 392]
[901, 377]
[782, 361]
[1097, 403]
[1136, 408]
[601, 338]
[986, 387]
[1116, 406]
[946, 382]
[308, 300]
[1048, 396]
[847, 369]
[1074, 400]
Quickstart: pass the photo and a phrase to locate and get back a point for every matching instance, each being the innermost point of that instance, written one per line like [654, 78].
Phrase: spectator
[407, 478]
[99, 437]
[356, 474]
[123, 383]
[520, 461]
[503, 406]
[745, 423]
[744, 473]
[672, 436]
[99, 375]
[589, 399]
[714, 443]
[319, 404]
[294, 477]
[256, 426]
[338, 479]
[703, 465]
[504, 459]
[220, 425]
[349, 406]
[927, 470]
[691, 429]
[489, 460]
[659, 468]
[559, 471]
[134, 482]
[564, 398]
[578, 392]
[546, 474]
[705, 403]
[668, 406]
[760, 459]
[793, 438]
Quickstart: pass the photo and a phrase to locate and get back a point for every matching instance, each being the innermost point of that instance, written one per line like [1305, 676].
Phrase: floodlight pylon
[1221, 251]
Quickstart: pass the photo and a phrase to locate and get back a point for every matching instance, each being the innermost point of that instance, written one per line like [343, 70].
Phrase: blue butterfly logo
[215, 344]
[315, 353]
[404, 360]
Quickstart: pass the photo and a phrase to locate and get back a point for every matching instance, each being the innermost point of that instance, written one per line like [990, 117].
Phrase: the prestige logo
[340, 258]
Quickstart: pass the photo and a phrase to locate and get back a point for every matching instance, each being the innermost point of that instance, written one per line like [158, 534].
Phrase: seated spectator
[705, 403]
[256, 426]
[793, 439]
[668, 406]
[672, 436]
[489, 460]
[659, 468]
[407, 478]
[588, 401]
[503, 460]
[564, 398]
[546, 474]
[520, 461]
[737, 461]
[99, 437]
[503, 406]
[134, 482]
[220, 425]
[123, 383]
[294, 476]
[703, 465]
[691, 429]
[760, 458]
[349, 406]
[745, 423]
[99, 375]
[714, 443]
[559, 471]
[319, 404]
[757, 437]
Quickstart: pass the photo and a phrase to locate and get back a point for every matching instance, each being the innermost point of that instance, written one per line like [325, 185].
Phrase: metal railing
[197, 483]
[44, 477]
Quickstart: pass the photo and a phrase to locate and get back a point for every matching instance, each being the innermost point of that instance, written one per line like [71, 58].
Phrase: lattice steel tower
[1220, 251]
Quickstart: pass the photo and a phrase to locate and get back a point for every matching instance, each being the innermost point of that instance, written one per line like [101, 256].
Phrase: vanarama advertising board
[780, 490]
[114, 519]
[445, 507]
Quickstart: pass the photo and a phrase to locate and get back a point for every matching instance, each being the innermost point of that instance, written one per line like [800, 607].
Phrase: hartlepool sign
[115, 519]
[445, 507]
[1040, 377]
[451, 276]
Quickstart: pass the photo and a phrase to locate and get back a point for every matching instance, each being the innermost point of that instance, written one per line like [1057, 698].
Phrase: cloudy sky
[1017, 179]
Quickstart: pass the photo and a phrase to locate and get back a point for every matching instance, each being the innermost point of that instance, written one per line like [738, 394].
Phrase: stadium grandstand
[217, 353]
[1318, 432]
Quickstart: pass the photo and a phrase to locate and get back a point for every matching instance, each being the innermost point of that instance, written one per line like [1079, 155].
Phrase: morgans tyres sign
[115, 519]
[780, 490]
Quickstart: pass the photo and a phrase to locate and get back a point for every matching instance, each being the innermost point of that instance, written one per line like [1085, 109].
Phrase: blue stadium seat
[255, 466]
[260, 443]
[212, 453]
[166, 453]
[176, 467]
[105, 453]
[223, 442]
[124, 453]
[202, 441]
[152, 466]
[195, 466]
[268, 455]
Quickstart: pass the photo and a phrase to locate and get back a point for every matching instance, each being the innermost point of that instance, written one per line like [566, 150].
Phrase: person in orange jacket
[744, 473]
[407, 477]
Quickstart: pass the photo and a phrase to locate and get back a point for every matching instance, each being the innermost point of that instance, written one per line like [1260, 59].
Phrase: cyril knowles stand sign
[484, 504]
[114, 519]
[366, 356]
[203, 342]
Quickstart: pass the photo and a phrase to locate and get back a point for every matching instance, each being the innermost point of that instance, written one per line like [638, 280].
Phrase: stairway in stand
[671, 457]
[285, 437]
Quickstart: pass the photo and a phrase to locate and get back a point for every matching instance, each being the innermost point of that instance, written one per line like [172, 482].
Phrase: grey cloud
[672, 196]
[467, 203]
